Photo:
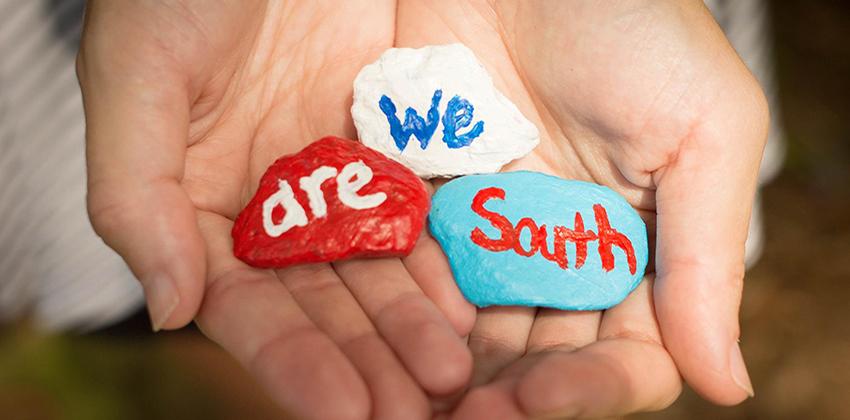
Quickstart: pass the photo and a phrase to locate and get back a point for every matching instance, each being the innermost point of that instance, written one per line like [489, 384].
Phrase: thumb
[137, 114]
[704, 199]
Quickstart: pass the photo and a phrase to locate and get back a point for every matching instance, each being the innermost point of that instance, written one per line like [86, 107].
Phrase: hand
[187, 103]
[647, 98]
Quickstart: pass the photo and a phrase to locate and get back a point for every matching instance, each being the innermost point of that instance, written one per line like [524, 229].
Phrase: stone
[436, 110]
[530, 239]
[333, 200]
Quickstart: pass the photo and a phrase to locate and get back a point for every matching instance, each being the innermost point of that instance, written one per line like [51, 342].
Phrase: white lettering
[349, 181]
[294, 216]
[313, 186]
[347, 187]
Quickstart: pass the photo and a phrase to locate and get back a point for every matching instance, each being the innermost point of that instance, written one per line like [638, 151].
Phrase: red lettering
[559, 245]
[525, 222]
[579, 236]
[609, 236]
[510, 236]
[498, 221]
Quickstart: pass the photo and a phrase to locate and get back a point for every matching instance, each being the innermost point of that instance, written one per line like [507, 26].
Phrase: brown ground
[795, 315]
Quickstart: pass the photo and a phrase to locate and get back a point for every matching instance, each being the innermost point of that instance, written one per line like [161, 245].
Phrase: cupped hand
[187, 103]
[648, 98]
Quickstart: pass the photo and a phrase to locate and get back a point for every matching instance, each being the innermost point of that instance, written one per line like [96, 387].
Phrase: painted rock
[335, 199]
[436, 110]
[525, 238]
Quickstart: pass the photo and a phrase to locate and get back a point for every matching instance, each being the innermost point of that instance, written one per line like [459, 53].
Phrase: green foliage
[95, 377]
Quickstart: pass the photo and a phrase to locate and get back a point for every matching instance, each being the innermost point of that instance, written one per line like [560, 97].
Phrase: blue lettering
[413, 123]
[459, 115]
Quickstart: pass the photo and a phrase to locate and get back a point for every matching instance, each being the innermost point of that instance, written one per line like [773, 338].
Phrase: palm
[289, 87]
[285, 89]
[266, 79]
[515, 348]
[608, 115]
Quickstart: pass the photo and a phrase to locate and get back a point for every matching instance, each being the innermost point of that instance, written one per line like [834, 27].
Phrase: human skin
[188, 101]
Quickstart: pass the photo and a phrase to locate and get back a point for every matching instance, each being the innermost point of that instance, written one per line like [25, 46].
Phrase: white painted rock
[436, 110]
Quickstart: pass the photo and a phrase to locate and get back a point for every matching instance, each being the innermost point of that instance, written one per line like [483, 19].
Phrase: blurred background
[795, 313]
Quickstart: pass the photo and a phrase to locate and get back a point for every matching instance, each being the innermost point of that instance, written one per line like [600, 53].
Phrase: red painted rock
[333, 200]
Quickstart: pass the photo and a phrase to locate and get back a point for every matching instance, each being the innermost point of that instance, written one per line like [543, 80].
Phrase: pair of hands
[188, 101]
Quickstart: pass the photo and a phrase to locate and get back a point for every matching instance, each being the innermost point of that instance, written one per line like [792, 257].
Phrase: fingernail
[739, 370]
[162, 299]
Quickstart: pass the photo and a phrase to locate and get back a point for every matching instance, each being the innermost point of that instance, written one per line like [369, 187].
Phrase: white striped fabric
[53, 269]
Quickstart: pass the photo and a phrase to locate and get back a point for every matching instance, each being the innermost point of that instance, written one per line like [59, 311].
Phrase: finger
[704, 200]
[495, 400]
[249, 313]
[607, 378]
[137, 115]
[563, 330]
[326, 300]
[628, 370]
[498, 338]
[428, 266]
[422, 338]
[552, 330]
[633, 318]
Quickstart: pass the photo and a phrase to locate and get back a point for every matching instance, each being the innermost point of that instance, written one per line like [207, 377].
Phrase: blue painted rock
[334, 199]
[436, 110]
[525, 238]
